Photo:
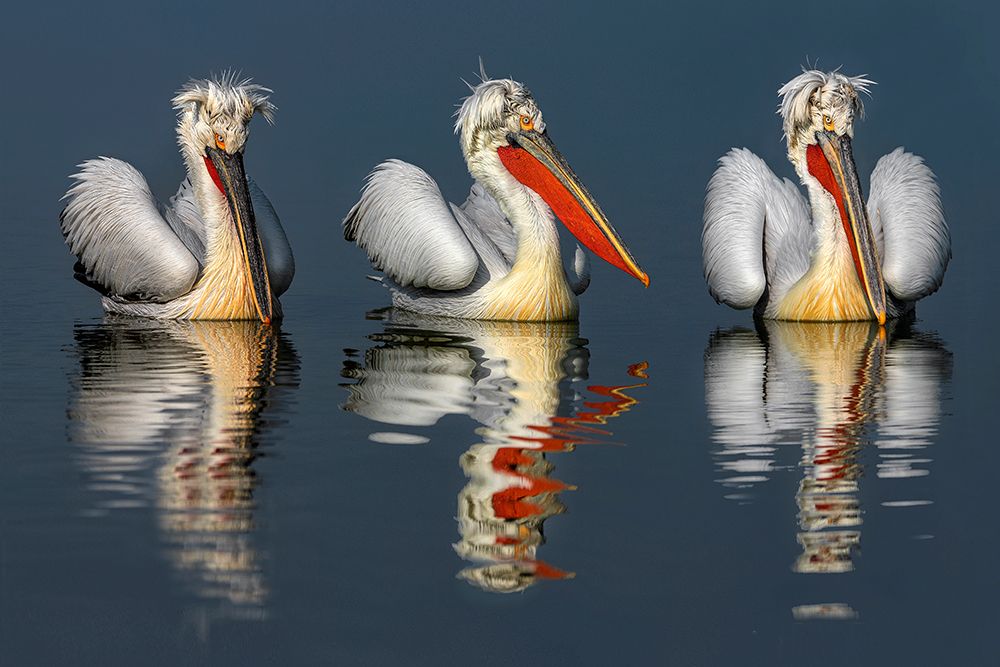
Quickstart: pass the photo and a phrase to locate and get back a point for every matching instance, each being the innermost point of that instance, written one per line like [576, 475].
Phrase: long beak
[831, 161]
[232, 179]
[533, 160]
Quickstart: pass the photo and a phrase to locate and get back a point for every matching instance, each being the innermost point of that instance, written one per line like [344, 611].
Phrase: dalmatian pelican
[216, 252]
[495, 257]
[764, 247]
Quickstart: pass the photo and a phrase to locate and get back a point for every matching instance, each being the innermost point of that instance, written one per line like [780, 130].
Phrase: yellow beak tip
[644, 279]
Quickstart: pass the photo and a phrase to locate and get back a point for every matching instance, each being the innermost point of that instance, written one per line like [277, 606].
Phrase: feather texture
[409, 231]
[484, 211]
[113, 224]
[909, 225]
[756, 232]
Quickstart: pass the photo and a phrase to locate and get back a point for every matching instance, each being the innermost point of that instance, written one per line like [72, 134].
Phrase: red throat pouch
[214, 173]
[532, 173]
[820, 169]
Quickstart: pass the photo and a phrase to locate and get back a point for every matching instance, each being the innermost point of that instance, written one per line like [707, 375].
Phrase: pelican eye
[828, 123]
[220, 143]
[527, 123]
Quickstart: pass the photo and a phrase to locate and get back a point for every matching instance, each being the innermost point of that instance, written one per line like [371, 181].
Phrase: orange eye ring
[220, 143]
[527, 123]
[828, 123]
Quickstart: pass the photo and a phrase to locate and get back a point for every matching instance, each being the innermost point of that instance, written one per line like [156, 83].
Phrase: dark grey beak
[234, 184]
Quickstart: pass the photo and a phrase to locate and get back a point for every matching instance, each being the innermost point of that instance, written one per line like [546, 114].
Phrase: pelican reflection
[170, 415]
[828, 390]
[518, 381]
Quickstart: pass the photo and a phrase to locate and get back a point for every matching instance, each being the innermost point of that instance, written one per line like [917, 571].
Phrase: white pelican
[762, 249]
[495, 257]
[217, 252]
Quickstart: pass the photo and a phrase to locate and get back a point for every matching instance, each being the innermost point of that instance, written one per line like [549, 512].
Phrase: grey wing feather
[185, 219]
[756, 231]
[909, 226]
[277, 250]
[409, 231]
[114, 225]
[483, 210]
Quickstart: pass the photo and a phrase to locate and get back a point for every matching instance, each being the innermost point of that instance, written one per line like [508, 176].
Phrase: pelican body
[216, 252]
[765, 247]
[495, 257]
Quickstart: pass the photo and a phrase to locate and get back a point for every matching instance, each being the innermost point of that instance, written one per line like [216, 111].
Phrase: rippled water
[804, 400]
[525, 384]
[663, 482]
[170, 416]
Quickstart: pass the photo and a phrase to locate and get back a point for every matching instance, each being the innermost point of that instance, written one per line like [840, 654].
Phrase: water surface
[662, 482]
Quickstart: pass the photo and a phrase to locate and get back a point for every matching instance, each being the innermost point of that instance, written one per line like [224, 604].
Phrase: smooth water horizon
[664, 481]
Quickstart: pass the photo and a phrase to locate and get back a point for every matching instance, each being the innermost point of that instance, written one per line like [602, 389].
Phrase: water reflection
[170, 415]
[518, 380]
[829, 390]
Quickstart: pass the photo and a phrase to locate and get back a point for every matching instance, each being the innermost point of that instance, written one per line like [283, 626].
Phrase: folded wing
[409, 231]
[909, 226]
[483, 211]
[277, 250]
[756, 231]
[125, 246]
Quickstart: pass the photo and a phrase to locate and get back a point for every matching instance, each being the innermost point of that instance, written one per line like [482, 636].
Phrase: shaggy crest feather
[485, 111]
[226, 94]
[801, 97]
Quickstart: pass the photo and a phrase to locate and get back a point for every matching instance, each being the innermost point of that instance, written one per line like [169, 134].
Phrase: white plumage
[766, 246]
[757, 231]
[908, 221]
[115, 227]
[497, 255]
[409, 231]
[180, 260]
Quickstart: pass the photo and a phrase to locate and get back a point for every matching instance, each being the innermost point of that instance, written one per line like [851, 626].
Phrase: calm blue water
[662, 482]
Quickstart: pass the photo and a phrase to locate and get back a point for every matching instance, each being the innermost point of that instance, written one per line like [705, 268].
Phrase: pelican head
[818, 111]
[507, 148]
[218, 111]
[213, 127]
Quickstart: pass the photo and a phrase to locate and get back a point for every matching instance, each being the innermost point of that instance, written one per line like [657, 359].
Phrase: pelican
[216, 252]
[762, 248]
[495, 257]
